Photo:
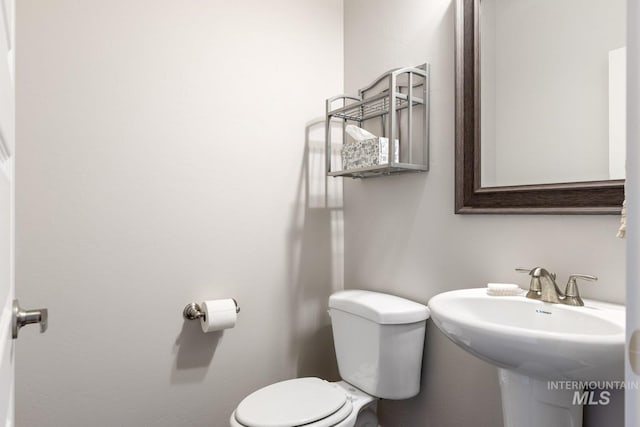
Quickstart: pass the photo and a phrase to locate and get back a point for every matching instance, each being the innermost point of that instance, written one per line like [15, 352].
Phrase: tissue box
[367, 153]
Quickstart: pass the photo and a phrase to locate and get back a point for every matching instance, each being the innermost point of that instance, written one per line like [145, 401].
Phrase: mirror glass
[552, 84]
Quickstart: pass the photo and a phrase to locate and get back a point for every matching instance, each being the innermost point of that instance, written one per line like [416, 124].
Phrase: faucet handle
[535, 288]
[571, 291]
[583, 276]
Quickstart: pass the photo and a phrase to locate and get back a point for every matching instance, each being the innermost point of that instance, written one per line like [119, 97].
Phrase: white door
[632, 394]
[7, 149]
[12, 317]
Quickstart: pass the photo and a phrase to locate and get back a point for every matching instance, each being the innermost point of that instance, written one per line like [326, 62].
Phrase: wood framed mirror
[583, 197]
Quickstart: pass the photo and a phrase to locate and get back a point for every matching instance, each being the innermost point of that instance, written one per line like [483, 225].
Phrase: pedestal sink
[544, 352]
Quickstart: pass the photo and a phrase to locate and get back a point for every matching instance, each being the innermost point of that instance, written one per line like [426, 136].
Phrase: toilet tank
[379, 340]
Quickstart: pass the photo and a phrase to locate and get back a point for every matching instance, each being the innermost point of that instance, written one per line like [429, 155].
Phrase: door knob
[23, 317]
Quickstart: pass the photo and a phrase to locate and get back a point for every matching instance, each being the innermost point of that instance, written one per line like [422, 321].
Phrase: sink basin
[544, 352]
[535, 338]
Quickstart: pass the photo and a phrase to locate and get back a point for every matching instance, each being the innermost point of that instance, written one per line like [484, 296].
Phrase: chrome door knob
[23, 317]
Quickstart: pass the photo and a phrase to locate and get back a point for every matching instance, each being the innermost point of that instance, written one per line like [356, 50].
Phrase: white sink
[534, 342]
[533, 337]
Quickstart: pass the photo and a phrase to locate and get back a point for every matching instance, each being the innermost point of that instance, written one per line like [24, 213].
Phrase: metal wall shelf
[399, 100]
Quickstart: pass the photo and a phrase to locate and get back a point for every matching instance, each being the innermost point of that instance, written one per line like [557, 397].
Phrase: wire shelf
[399, 98]
[369, 109]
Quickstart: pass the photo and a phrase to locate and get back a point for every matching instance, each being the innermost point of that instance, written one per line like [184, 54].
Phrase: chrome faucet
[543, 286]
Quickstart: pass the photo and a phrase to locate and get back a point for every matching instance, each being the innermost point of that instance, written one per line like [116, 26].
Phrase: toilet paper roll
[219, 314]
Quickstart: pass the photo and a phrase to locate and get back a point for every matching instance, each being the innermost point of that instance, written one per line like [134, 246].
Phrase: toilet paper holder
[192, 311]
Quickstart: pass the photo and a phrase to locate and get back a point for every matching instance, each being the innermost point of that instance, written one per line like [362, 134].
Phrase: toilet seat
[311, 402]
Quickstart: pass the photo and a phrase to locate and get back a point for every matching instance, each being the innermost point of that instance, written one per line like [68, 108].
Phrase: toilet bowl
[378, 340]
[308, 402]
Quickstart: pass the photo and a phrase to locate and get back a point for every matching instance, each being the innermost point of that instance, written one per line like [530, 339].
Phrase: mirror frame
[593, 197]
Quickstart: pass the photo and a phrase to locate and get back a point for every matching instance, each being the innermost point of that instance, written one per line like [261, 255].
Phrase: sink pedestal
[529, 402]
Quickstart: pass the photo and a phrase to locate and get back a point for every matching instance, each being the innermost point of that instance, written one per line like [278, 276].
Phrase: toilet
[378, 340]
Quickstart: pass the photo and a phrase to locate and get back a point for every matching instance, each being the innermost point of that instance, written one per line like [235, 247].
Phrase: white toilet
[378, 340]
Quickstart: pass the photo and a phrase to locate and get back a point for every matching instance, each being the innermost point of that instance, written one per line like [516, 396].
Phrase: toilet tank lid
[381, 308]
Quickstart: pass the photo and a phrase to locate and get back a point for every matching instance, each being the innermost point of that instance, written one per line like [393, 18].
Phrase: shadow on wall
[193, 353]
[314, 271]
[463, 373]
[445, 363]
[315, 245]
[605, 415]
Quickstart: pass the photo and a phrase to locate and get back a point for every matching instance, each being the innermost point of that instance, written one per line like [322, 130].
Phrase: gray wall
[162, 159]
[402, 237]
